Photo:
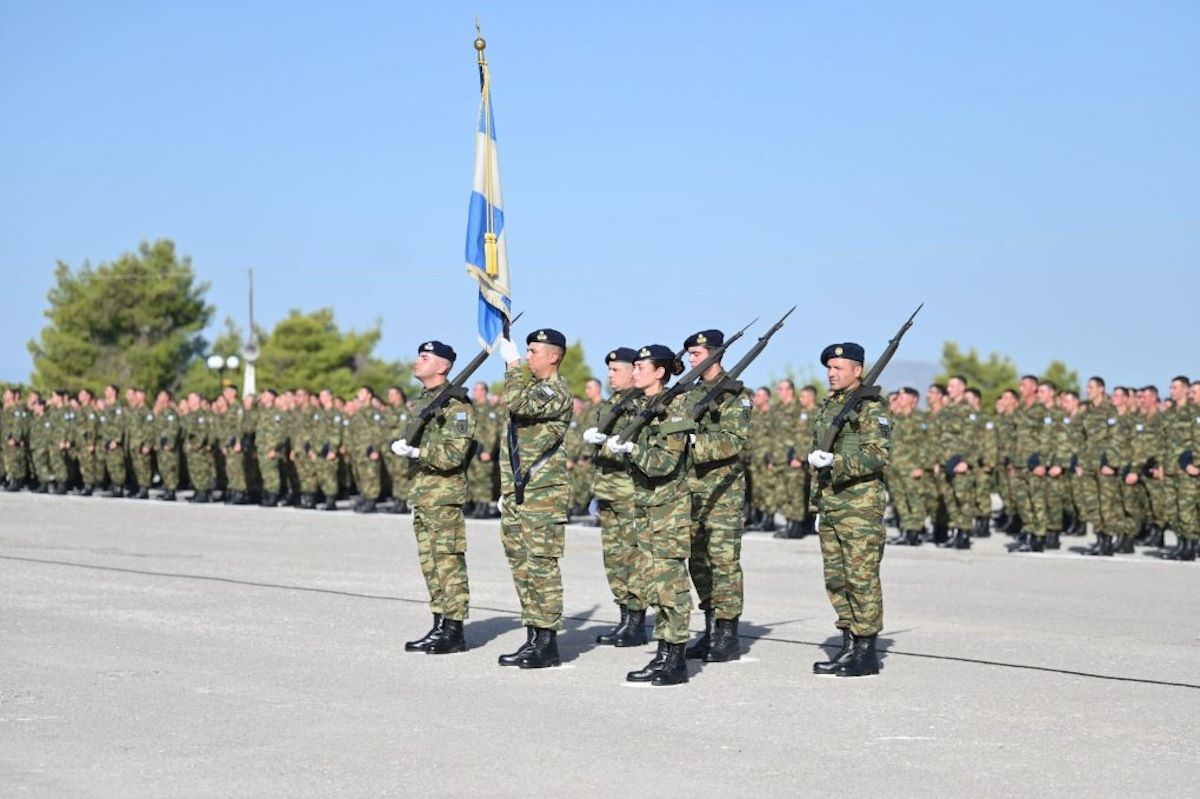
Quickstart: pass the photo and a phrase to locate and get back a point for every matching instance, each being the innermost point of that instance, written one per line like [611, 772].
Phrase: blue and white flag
[487, 253]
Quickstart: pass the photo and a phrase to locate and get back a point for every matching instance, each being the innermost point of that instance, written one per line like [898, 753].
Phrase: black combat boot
[862, 661]
[330, 503]
[42, 488]
[543, 652]
[367, 506]
[983, 527]
[515, 658]
[86, 491]
[12, 485]
[912, 538]
[1053, 541]
[940, 534]
[949, 540]
[306, 501]
[962, 539]
[1102, 547]
[200, 497]
[1184, 550]
[428, 638]
[143, 493]
[167, 495]
[699, 649]
[1189, 552]
[674, 669]
[450, 639]
[900, 539]
[1037, 543]
[469, 509]
[117, 492]
[610, 638]
[635, 630]
[725, 646]
[1123, 545]
[647, 672]
[404, 507]
[1154, 538]
[832, 665]
[768, 522]
[753, 520]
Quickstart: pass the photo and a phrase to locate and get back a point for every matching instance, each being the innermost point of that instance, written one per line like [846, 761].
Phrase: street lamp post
[219, 365]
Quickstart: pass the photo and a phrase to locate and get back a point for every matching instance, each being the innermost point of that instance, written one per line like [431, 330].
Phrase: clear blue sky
[1027, 169]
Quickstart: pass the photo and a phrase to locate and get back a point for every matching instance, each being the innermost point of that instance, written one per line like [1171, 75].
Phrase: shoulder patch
[547, 392]
[461, 415]
[883, 420]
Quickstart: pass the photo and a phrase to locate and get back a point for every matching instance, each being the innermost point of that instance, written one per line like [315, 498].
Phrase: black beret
[705, 338]
[622, 354]
[439, 349]
[547, 336]
[656, 352]
[848, 350]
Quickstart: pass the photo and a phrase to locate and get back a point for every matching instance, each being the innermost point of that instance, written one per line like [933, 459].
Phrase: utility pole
[250, 351]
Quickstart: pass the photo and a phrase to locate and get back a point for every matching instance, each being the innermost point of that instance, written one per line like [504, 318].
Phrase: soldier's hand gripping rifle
[681, 385]
[452, 389]
[729, 382]
[868, 388]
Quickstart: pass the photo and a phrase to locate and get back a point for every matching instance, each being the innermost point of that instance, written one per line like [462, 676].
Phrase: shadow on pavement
[481, 633]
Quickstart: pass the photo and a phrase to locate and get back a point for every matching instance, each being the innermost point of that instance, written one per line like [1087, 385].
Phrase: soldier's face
[1095, 391]
[1194, 394]
[479, 393]
[762, 399]
[1179, 391]
[620, 375]
[593, 391]
[542, 359]
[1045, 395]
[696, 355]
[786, 392]
[808, 398]
[1148, 400]
[843, 373]
[646, 374]
[425, 367]
[955, 388]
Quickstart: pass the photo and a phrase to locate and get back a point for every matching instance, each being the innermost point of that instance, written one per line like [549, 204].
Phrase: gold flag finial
[480, 42]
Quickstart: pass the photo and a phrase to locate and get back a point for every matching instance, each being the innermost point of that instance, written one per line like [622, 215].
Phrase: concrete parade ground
[150, 649]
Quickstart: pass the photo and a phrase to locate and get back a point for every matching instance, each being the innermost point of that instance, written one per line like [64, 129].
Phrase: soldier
[584, 472]
[1006, 434]
[113, 434]
[1131, 496]
[935, 485]
[758, 460]
[481, 472]
[786, 459]
[717, 482]
[398, 472]
[58, 412]
[987, 460]
[532, 527]
[849, 495]
[664, 504]
[41, 443]
[141, 441]
[1025, 458]
[87, 438]
[329, 443]
[437, 467]
[170, 420]
[956, 453]
[197, 444]
[1100, 460]
[368, 431]
[1150, 455]
[270, 443]
[574, 445]
[1182, 467]
[613, 487]
[16, 440]
[906, 468]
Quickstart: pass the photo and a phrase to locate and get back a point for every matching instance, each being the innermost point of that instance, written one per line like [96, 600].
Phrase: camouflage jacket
[540, 411]
[612, 481]
[439, 475]
[721, 433]
[659, 462]
[861, 450]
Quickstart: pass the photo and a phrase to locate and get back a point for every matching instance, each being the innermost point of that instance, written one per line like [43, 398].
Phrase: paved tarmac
[153, 649]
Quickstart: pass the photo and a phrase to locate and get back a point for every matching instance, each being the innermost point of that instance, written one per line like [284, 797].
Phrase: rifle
[605, 423]
[729, 382]
[869, 388]
[453, 389]
[681, 385]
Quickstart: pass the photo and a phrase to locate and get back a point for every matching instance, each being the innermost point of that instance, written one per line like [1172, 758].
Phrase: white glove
[500, 504]
[618, 447]
[593, 436]
[401, 448]
[508, 350]
[692, 439]
[819, 459]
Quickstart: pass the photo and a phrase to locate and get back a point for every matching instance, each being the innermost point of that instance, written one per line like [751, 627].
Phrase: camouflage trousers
[168, 469]
[664, 534]
[1187, 506]
[327, 475]
[1159, 498]
[757, 476]
[715, 558]
[960, 500]
[907, 498]
[479, 480]
[1086, 491]
[115, 466]
[91, 467]
[934, 484]
[581, 483]
[985, 482]
[235, 470]
[1058, 493]
[852, 537]
[200, 467]
[1114, 517]
[442, 550]
[269, 471]
[15, 463]
[622, 555]
[39, 459]
[1031, 502]
[368, 476]
[534, 538]
[143, 467]
[306, 471]
[794, 492]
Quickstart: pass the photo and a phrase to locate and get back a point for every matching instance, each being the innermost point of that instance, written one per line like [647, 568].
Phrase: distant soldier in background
[481, 473]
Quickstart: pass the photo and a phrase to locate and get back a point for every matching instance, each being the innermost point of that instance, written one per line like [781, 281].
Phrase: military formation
[288, 449]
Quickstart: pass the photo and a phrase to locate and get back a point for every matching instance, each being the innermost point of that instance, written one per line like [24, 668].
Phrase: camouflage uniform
[329, 442]
[957, 442]
[41, 438]
[664, 511]
[850, 499]
[437, 489]
[168, 438]
[1183, 436]
[270, 434]
[141, 445]
[481, 475]
[16, 443]
[758, 461]
[397, 472]
[533, 532]
[908, 453]
[91, 452]
[197, 444]
[613, 487]
[717, 484]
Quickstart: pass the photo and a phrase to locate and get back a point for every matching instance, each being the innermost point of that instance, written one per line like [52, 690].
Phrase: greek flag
[487, 254]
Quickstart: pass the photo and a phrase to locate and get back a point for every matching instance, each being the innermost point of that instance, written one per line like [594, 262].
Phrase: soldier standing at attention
[664, 506]
[717, 482]
[141, 442]
[955, 451]
[437, 488]
[849, 496]
[907, 468]
[614, 495]
[539, 410]
[168, 436]
[16, 440]
[269, 439]
[480, 474]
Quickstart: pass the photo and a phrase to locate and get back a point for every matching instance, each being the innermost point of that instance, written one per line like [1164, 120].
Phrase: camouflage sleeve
[727, 438]
[874, 446]
[530, 400]
[663, 447]
[448, 450]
